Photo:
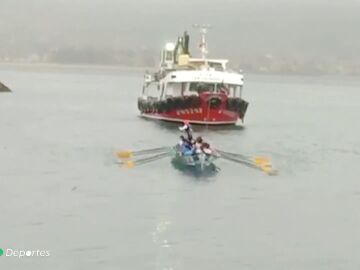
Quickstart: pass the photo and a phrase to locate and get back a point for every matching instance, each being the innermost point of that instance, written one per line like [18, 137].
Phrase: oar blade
[124, 154]
[260, 163]
[129, 164]
[265, 165]
[261, 160]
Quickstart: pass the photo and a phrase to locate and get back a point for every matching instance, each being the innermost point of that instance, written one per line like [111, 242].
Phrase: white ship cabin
[181, 75]
[193, 82]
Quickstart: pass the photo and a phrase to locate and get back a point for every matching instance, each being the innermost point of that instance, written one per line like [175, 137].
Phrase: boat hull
[206, 109]
[199, 162]
[215, 118]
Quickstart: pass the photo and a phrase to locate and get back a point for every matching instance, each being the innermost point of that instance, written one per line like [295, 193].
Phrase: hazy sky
[292, 27]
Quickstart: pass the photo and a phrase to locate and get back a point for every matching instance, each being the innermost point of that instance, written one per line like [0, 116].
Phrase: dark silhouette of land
[4, 88]
[297, 37]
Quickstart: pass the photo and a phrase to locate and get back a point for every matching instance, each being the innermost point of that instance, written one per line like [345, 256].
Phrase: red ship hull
[197, 116]
[211, 109]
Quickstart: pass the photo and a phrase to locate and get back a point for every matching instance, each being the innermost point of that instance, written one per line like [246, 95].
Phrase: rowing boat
[199, 162]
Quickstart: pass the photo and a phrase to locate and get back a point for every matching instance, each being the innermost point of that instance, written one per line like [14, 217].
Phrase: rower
[205, 148]
[197, 145]
[187, 128]
[185, 142]
[186, 147]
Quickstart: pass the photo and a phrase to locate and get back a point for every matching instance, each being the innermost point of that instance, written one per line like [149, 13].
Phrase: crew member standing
[187, 128]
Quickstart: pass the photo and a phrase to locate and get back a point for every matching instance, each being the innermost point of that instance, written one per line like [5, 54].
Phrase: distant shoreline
[68, 66]
[139, 69]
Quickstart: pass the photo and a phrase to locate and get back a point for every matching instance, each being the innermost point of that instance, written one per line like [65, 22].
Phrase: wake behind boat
[201, 90]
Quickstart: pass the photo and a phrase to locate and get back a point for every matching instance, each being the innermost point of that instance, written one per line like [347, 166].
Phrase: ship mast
[203, 44]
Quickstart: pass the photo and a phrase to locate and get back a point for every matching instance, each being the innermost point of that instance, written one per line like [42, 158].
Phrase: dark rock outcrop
[4, 88]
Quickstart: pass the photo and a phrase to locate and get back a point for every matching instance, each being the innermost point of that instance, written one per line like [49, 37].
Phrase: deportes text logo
[9, 252]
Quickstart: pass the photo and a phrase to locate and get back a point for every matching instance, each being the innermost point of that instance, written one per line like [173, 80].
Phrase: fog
[246, 31]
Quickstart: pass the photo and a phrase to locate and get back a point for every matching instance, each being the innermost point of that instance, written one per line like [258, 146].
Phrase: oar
[261, 163]
[257, 160]
[245, 162]
[232, 154]
[132, 163]
[130, 154]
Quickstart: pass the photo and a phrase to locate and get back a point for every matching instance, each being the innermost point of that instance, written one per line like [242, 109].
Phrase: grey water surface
[62, 191]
